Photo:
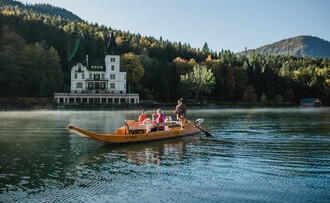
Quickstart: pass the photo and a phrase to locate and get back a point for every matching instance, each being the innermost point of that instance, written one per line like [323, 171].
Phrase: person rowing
[181, 112]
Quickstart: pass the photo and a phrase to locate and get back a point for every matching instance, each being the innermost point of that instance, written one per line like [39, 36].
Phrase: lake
[255, 155]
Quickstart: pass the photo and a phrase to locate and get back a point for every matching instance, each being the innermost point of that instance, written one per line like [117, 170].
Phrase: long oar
[207, 134]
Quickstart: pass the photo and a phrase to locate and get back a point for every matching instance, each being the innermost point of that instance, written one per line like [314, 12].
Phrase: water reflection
[139, 154]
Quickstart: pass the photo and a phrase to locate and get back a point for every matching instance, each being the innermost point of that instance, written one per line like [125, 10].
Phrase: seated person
[160, 118]
[142, 116]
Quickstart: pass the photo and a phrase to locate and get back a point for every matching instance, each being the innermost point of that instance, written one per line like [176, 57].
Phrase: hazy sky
[223, 24]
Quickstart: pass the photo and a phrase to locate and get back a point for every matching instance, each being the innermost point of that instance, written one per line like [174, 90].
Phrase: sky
[223, 24]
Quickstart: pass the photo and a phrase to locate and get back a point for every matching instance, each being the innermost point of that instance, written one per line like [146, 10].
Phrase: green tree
[218, 91]
[11, 46]
[130, 63]
[54, 68]
[200, 80]
[230, 82]
[289, 95]
[164, 90]
[241, 81]
[205, 49]
[250, 94]
[327, 90]
[278, 99]
[263, 98]
[47, 87]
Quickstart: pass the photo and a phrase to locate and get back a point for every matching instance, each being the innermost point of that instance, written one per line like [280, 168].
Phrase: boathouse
[98, 81]
[310, 102]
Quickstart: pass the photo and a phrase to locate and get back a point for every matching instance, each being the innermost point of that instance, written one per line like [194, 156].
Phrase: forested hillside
[43, 8]
[46, 46]
[301, 46]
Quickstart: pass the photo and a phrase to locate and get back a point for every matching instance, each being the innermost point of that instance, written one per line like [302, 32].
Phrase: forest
[38, 50]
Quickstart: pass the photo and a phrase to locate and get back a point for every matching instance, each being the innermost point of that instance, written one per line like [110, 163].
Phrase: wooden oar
[204, 131]
[207, 134]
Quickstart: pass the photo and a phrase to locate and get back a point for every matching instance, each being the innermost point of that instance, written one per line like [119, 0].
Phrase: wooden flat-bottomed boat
[134, 132]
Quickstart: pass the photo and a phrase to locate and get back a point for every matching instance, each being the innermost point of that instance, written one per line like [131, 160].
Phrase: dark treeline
[35, 50]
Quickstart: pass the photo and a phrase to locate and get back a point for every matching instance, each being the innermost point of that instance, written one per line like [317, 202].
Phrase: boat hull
[125, 135]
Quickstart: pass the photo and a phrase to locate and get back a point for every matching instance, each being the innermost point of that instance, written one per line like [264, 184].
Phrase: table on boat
[149, 126]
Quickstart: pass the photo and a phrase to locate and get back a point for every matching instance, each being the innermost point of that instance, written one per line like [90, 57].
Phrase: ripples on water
[255, 155]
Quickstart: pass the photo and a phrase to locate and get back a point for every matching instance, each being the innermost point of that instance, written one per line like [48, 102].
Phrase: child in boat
[159, 118]
[142, 116]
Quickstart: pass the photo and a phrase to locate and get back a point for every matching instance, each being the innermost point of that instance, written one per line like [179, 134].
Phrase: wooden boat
[134, 132]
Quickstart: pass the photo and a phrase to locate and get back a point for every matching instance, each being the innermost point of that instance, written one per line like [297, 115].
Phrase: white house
[98, 81]
[99, 76]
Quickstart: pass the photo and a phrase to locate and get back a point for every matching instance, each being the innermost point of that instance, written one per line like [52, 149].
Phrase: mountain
[300, 46]
[44, 9]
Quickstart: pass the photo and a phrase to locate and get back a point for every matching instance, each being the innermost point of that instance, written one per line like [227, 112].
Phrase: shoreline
[165, 106]
[48, 103]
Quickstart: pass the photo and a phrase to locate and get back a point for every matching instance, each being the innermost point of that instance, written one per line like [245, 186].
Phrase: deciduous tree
[250, 94]
[199, 80]
[130, 63]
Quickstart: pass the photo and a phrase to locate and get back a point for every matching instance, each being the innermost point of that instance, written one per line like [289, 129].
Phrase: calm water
[255, 155]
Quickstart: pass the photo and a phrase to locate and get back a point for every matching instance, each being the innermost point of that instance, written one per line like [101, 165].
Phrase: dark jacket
[181, 110]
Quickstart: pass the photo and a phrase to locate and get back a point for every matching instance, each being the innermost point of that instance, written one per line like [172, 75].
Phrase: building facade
[98, 81]
[101, 76]
[310, 102]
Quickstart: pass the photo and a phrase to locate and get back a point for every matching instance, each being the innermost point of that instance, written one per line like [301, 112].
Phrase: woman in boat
[160, 118]
[143, 116]
[181, 112]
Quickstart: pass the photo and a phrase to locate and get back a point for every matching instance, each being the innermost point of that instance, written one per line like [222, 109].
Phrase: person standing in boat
[159, 118]
[181, 112]
[143, 116]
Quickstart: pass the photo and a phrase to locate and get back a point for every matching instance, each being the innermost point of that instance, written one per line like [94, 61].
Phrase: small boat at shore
[133, 132]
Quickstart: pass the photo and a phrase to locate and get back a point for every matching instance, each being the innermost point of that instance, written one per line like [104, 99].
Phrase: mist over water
[255, 155]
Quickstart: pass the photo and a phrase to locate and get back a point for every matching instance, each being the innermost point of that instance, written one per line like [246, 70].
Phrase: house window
[96, 76]
[83, 76]
[113, 60]
[112, 85]
[79, 68]
[90, 76]
[75, 76]
[79, 85]
[112, 76]
[102, 76]
[112, 67]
